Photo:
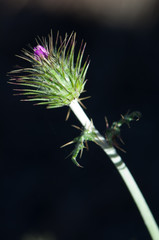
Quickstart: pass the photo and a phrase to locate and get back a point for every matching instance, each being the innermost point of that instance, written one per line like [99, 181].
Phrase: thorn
[122, 116]
[76, 163]
[84, 98]
[106, 122]
[76, 127]
[66, 144]
[68, 114]
[121, 140]
[121, 149]
[81, 152]
[82, 104]
[87, 145]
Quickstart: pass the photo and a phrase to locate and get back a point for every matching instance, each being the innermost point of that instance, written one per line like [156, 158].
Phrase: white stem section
[122, 169]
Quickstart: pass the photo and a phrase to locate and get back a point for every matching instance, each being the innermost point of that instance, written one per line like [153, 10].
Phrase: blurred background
[44, 196]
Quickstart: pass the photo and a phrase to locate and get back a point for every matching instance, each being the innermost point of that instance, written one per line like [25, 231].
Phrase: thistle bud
[53, 77]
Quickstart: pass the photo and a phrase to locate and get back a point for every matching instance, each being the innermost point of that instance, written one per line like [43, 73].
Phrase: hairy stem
[122, 169]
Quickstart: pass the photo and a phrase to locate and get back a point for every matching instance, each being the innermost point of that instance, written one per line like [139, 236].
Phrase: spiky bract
[54, 80]
[81, 143]
[114, 130]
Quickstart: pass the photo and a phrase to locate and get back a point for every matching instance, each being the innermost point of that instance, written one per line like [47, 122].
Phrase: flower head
[53, 77]
[40, 52]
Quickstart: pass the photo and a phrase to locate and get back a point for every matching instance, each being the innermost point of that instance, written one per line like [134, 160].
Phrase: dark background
[44, 196]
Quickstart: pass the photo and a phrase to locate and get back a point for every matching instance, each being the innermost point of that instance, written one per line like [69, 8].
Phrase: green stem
[123, 171]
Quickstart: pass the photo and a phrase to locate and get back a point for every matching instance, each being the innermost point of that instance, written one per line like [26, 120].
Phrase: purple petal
[40, 52]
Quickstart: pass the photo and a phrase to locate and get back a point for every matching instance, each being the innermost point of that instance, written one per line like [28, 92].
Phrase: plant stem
[122, 169]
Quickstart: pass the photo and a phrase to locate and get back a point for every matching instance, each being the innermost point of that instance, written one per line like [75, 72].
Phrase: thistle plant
[56, 78]
[53, 79]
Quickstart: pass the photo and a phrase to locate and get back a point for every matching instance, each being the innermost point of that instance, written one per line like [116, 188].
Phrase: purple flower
[40, 52]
